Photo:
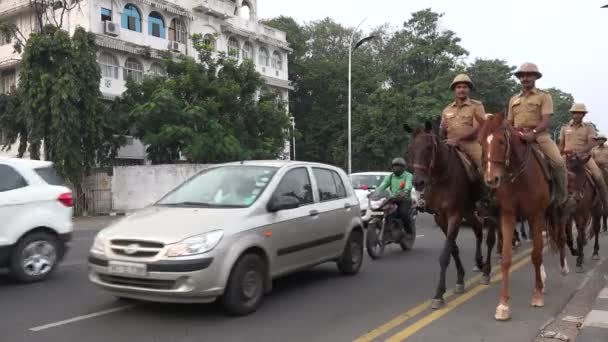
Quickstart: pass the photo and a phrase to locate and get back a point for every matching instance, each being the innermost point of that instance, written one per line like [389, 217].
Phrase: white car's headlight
[99, 245]
[196, 245]
[375, 205]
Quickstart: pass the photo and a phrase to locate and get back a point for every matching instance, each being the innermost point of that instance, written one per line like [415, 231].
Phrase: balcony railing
[218, 8]
[10, 6]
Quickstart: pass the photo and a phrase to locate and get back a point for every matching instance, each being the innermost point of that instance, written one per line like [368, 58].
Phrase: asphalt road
[387, 301]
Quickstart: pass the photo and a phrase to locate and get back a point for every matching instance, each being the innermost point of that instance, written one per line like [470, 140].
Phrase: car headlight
[198, 244]
[99, 245]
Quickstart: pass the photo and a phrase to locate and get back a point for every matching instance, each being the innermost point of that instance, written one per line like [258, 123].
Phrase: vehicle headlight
[196, 245]
[99, 245]
[375, 205]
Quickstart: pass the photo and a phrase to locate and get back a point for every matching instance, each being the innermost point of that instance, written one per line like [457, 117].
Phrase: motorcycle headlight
[99, 245]
[374, 205]
[198, 244]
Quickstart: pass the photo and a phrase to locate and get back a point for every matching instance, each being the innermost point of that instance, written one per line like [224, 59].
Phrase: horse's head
[422, 152]
[495, 139]
[576, 174]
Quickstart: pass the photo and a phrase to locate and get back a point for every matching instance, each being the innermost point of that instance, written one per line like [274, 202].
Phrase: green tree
[207, 111]
[562, 102]
[494, 83]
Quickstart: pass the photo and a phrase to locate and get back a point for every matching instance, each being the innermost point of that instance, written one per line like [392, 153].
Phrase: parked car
[36, 214]
[228, 232]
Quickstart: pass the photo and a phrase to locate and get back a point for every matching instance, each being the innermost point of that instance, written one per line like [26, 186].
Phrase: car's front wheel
[245, 289]
[352, 257]
[35, 257]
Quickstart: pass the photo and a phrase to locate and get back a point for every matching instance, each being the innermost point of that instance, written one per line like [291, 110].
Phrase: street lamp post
[293, 135]
[351, 48]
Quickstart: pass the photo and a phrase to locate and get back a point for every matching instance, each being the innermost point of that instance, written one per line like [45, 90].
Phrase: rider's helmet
[530, 68]
[462, 78]
[398, 162]
[578, 108]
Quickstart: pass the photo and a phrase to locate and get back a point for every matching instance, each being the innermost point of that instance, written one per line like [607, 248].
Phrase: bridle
[512, 174]
[430, 168]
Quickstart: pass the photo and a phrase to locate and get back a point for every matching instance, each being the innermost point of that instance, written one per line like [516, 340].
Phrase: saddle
[545, 165]
[469, 165]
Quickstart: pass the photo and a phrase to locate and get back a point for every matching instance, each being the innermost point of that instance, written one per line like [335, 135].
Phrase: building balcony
[222, 9]
[10, 7]
[258, 29]
[122, 36]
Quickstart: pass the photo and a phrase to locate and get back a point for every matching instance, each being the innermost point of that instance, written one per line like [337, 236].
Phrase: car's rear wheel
[35, 257]
[352, 257]
[245, 289]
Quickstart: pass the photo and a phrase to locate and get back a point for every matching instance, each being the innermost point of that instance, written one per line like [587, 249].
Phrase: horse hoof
[537, 302]
[476, 269]
[595, 257]
[565, 270]
[459, 289]
[580, 269]
[485, 280]
[503, 313]
[437, 304]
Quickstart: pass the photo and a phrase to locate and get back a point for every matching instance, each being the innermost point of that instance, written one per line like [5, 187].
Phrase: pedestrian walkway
[595, 326]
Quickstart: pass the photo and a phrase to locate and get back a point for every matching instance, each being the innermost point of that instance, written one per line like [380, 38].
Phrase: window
[131, 18]
[247, 51]
[264, 57]
[10, 179]
[8, 81]
[296, 183]
[234, 49]
[177, 31]
[109, 65]
[277, 60]
[106, 14]
[339, 185]
[209, 39]
[133, 70]
[50, 176]
[328, 188]
[156, 25]
[245, 11]
[157, 69]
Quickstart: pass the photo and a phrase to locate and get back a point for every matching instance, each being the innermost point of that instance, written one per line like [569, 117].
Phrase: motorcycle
[385, 226]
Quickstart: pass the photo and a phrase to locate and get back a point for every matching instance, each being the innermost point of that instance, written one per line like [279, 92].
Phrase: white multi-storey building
[131, 34]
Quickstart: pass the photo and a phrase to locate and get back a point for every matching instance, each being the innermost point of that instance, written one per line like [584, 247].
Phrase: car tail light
[66, 199]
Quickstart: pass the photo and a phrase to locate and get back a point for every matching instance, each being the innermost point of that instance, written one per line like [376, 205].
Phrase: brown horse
[450, 196]
[522, 190]
[585, 208]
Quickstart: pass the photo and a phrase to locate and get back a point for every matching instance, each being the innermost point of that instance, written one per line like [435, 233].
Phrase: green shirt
[392, 183]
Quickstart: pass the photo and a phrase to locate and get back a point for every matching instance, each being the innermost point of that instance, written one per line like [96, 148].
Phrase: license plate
[127, 268]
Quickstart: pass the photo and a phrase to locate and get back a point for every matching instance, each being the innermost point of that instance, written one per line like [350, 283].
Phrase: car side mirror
[278, 203]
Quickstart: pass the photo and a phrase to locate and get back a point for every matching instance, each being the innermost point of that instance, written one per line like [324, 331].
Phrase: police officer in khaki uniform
[460, 119]
[600, 154]
[578, 137]
[530, 113]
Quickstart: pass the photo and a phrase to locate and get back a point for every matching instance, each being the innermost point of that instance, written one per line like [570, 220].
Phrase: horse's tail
[555, 228]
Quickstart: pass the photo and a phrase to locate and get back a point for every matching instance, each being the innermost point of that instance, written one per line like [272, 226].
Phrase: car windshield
[221, 187]
[367, 181]
[50, 175]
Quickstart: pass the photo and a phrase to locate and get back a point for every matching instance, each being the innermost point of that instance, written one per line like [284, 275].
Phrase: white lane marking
[80, 318]
[603, 294]
[420, 235]
[596, 318]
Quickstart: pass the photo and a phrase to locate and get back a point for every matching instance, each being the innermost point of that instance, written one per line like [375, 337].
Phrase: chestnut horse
[522, 190]
[450, 196]
[585, 208]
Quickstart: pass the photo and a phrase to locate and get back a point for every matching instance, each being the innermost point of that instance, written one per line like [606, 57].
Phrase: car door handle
[314, 213]
[347, 205]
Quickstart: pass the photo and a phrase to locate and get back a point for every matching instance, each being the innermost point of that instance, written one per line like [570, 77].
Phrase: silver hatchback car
[229, 231]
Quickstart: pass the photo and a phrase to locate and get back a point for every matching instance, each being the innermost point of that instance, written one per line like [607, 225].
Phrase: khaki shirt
[527, 111]
[576, 137]
[458, 120]
[600, 155]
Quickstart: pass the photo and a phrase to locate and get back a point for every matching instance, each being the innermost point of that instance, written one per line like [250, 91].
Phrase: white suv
[36, 216]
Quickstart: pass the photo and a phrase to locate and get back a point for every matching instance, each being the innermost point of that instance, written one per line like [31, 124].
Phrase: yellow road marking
[430, 318]
[397, 321]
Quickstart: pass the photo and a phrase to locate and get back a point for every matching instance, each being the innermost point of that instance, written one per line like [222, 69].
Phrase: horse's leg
[451, 231]
[581, 229]
[569, 237]
[537, 222]
[522, 228]
[499, 239]
[490, 241]
[478, 231]
[596, 226]
[516, 239]
[605, 219]
[507, 223]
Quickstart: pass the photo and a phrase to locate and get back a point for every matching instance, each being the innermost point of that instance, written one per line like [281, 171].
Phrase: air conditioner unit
[175, 46]
[110, 28]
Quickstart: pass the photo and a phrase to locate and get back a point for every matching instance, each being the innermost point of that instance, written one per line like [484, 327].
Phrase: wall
[135, 187]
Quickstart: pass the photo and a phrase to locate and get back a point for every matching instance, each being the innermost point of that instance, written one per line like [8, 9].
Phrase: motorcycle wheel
[375, 247]
[408, 240]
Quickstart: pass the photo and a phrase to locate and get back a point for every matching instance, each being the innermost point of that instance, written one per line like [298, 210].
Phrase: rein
[429, 169]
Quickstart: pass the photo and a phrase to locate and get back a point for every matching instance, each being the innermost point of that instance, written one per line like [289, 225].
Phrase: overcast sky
[567, 39]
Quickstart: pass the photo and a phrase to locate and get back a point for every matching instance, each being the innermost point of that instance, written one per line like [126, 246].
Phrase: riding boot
[561, 185]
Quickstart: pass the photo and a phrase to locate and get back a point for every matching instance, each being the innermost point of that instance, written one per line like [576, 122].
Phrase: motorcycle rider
[400, 184]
